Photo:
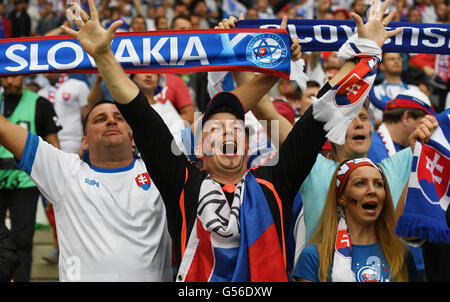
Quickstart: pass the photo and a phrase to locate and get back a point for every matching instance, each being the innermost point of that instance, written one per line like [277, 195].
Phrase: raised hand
[423, 131]
[296, 49]
[91, 35]
[229, 23]
[374, 29]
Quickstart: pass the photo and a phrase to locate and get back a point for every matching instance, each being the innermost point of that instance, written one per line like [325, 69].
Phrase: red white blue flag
[428, 195]
[238, 243]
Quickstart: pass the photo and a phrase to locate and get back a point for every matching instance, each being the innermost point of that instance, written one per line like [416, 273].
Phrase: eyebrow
[104, 113]
[366, 178]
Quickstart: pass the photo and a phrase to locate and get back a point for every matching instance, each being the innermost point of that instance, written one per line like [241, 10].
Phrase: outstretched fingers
[386, 20]
[93, 11]
[358, 20]
[114, 27]
[69, 31]
[373, 10]
[383, 8]
[394, 32]
[284, 22]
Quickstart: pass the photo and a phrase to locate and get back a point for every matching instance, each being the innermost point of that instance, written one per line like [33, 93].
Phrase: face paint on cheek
[353, 201]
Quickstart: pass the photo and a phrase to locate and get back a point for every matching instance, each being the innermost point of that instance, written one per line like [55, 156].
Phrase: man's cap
[411, 98]
[224, 99]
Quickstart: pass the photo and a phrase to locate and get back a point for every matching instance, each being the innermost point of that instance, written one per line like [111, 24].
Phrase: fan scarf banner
[254, 46]
[427, 201]
[259, 50]
[320, 35]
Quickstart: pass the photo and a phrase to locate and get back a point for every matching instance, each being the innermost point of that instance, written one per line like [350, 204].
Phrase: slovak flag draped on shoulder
[426, 207]
[237, 242]
[340, 104]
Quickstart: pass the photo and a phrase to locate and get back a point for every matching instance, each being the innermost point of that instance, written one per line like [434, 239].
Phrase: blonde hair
[325, 235]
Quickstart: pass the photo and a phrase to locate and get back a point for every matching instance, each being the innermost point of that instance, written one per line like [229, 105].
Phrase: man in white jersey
[110, 217]
[69, 98]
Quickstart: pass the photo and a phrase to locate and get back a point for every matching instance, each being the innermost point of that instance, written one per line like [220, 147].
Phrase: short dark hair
[298, 93]
[90, 110]
[157, 19]
[312, 83]
[179, 17]
[394, 115]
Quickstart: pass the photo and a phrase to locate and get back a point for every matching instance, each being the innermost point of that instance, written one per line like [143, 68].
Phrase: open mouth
[359, 138]
[370, 208]
[229, 148]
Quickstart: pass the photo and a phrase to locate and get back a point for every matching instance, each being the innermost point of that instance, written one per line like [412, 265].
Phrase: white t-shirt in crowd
[68, 98]
[111, 223]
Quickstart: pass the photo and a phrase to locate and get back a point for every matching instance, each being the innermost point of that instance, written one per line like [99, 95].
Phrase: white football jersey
[111, 223]
[68, 99]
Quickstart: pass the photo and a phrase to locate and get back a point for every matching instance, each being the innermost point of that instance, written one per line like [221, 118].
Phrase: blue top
[368, 263]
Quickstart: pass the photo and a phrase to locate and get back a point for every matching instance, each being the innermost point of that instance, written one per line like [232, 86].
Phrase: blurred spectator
[322, 72]
[181, 22]
[5, 23]
[286, 90]
[49, 20]
[303, 99]
[119, 9]
[138, 24]
[392, 85]
[341, 4]
[199, 8]
[20, 20]
[252, 13]
[161, 23]
[443, 13]
[154, 87]
[195, 21]
[340, 14]
[359, 7]
[264, 10]
[172, 88]
[428, 10]
[291, 13]
[105, 14]
[414, 16]
[323, 9]
[180, 8]
[285, 109]
[196, 82]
